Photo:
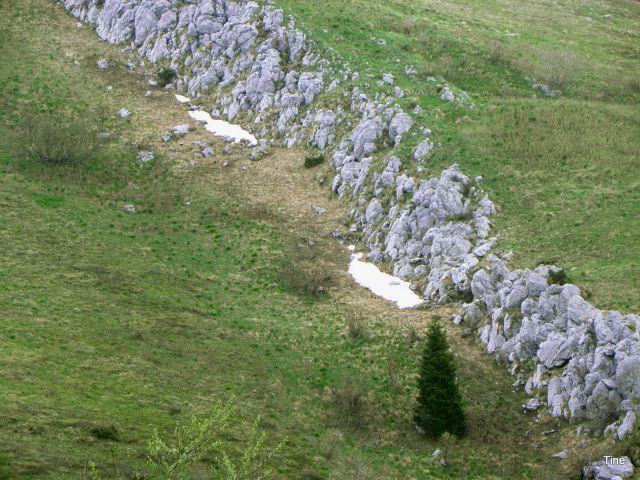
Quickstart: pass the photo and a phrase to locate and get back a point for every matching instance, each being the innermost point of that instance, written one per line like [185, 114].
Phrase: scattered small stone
[148, 93]
[152, 83]
[207, 152]
[560, 455]
[320, 210]
[129, 208]
[336, 234]
[166, 136]
[387, 78]
[124, 113]
[103, 135]
[436, 452]
[102, 64]
[225, 164]
[181, 129]
[145, 156]
[607, 16]
[549, 432]
[532, 405]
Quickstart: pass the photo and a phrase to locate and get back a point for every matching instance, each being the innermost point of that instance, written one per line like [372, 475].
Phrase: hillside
[116, 323]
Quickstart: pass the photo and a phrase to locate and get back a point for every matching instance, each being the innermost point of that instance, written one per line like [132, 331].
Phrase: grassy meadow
[564, 172]
[113, 324]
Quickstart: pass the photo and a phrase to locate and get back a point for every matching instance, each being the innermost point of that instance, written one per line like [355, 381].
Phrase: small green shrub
[299, 271]
[350, 404]
[356, 328]
[166, 76]
[557, 68]
[312, 160]
[559, 277]
[202, 438]
[106, 432]
[496, 52]
[50, 139]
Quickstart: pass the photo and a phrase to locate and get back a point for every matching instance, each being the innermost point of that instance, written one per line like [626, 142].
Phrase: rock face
[436, 232]
[609, 469]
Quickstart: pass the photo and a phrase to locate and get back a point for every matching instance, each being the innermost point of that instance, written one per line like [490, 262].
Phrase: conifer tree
[439, 408]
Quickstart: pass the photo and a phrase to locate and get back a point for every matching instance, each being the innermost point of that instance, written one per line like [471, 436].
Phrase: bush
[47, 138]
[556, 68]
[559, 277]
[356, 328]
[439, 407]
[312, 160]
[300, 272]
[201, 438]
[496, 52]
[109, 432]
[350, 403]
[166, 76]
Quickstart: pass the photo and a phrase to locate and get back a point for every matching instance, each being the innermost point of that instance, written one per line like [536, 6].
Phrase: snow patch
[222, 128]
[382, 284]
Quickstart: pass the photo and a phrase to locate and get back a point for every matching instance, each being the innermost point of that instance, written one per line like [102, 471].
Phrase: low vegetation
[118, 325]
[50, 138]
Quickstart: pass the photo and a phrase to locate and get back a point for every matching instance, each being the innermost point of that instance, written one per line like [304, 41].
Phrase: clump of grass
[496, 52]
[559, 277]
[356, 328]
[106, 432]
[51, 139]
[406, 25]
[313, 160]
[556, 68]
[350, 404]
[301, 272]
[166, 75]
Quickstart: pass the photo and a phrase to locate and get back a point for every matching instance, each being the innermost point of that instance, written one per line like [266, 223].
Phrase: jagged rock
[102, 64]
[373, 211]
[400, 124]
[123, 113]
[532, 405]
[422, 151]
[610, 468]
[181, 129]
[626, 427]
[145, 156]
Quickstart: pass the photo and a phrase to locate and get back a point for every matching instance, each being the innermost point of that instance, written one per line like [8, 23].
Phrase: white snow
[382, 284]
[183, 99]
[222, 128]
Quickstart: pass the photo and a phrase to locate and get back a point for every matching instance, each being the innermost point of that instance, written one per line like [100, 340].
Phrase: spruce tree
[439, 407]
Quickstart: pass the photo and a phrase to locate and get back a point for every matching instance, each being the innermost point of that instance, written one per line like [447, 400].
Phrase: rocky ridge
[254, 68]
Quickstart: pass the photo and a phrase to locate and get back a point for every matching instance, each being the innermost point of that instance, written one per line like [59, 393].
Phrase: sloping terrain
[140, 320]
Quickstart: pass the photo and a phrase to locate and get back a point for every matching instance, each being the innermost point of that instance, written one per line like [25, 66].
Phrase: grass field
[127, 323]
[564, 172]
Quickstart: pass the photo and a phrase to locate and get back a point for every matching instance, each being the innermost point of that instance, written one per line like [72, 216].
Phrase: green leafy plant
[201, 437]
[439, 407]
[166, 75]
[312, 160]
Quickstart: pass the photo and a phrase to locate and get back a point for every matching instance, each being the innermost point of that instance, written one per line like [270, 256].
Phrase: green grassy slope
[138, 321]
[565, 173]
